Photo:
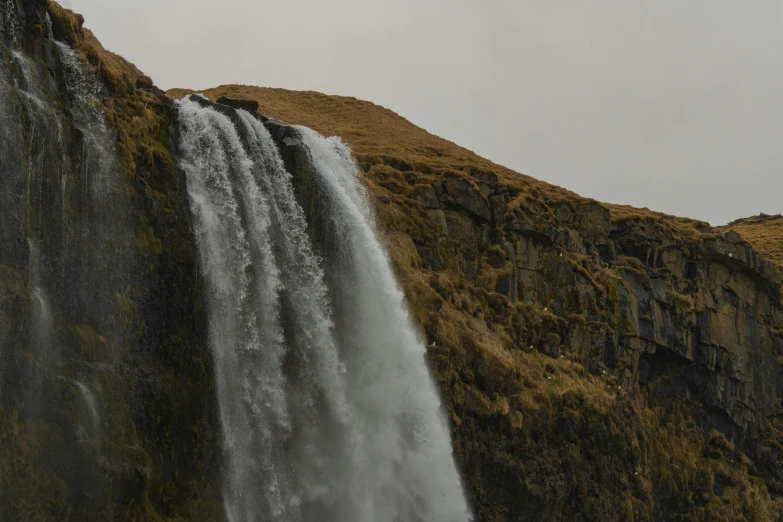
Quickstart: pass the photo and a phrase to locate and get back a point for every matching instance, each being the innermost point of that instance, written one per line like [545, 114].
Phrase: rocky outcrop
[713, 305]
[250, 106]
[696, 322]
[679, 321]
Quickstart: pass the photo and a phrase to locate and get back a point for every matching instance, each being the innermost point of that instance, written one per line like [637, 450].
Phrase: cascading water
[388, 381]
[89, 429]
[327, 407]
[66, 252]
[55, 229]
[102, 415]
[11, 26]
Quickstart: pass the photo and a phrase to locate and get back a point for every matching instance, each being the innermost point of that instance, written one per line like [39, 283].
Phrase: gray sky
[676, 105]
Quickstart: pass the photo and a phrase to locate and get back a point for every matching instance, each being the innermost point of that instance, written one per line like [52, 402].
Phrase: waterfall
[11, 26]
[100, 171]
[66, 241]
[41, 323]
[88, 430]
[327, 407]
[54, 232]
[388, 380]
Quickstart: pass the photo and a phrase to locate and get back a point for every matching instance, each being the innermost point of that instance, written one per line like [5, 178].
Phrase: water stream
[327, 406]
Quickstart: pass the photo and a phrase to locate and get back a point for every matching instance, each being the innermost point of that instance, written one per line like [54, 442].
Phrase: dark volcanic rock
[107, 408]
[247, 105]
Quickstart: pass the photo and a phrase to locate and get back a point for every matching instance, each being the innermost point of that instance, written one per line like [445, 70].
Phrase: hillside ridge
[595, 361]
[556, 322]
[378, 133]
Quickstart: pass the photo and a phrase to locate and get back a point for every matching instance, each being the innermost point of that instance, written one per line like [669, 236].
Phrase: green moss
[624, 325]
[92, 346]
[685, 303]
[148, 243]
[129, 458]
[612, 291]
[28, 489]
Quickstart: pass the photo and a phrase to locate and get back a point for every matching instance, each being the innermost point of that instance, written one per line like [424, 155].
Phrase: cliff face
[598, 362]
[107, 407]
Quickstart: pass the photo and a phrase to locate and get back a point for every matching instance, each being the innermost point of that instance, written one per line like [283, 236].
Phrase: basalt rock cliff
[597, 362]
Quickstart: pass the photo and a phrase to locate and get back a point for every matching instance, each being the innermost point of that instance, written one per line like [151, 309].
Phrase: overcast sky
[676, 105]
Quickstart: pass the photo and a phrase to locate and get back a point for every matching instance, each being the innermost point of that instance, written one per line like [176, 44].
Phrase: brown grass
[368, 128]
[764, 233]
[382, 138]
[135, 107]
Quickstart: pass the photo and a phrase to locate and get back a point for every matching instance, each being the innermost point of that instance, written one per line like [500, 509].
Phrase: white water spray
[323, 419]
[41, 309]
[388, 380]
[49, 28]
[11, 25]
[88, 431]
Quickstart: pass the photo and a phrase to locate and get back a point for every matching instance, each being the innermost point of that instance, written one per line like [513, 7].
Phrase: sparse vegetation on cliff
[553, 323]
[597, 362]
[153, 453]
[765, 233]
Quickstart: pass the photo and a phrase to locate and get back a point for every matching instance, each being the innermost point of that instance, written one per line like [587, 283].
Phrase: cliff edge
[599, 361]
